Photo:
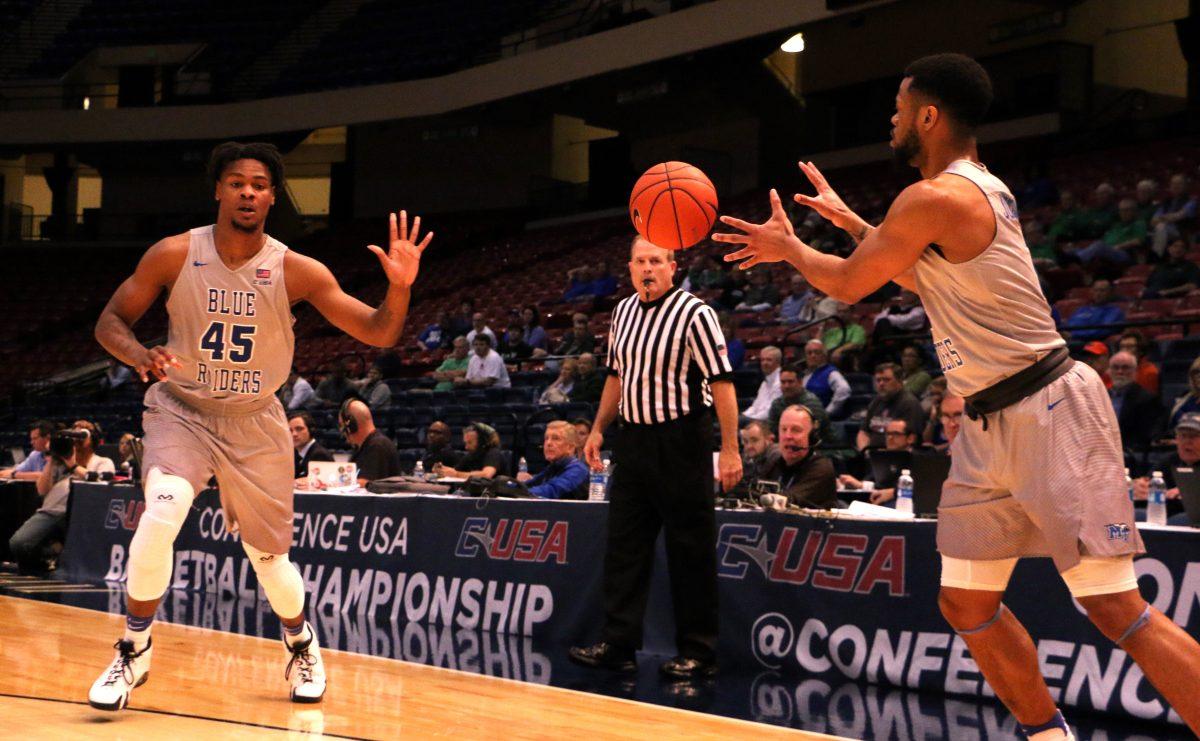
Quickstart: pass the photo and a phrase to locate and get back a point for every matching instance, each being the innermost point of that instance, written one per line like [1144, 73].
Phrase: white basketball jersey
[230, 329]
[988, 314]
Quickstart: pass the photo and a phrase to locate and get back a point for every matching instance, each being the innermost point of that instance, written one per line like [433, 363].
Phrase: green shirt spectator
[453, 367]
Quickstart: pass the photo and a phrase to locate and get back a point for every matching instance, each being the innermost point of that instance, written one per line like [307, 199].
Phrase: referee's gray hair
[636, 237]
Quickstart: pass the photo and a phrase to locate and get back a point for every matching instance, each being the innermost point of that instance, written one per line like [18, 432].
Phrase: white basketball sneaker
[128, 670]
[305, 669]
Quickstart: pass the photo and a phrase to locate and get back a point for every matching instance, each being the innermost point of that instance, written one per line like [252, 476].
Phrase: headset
[347, 424]
[814, 435]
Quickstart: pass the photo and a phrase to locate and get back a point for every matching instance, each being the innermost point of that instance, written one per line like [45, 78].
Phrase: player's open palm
[771, 241]
[826, 202]
[403, 257]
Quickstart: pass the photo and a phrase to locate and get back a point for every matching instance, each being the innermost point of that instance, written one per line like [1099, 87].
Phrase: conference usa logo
[838, 562]
[123, 514]
[505, 539]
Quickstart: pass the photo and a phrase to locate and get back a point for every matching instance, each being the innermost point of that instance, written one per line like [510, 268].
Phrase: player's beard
[906, 151]
[244, 228]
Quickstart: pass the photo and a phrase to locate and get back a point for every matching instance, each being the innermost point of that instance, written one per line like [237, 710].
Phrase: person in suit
[1139, 413]
[304, 447]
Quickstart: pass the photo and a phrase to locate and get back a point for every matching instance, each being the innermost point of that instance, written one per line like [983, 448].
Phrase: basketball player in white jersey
[1037, 468]
[213, 412]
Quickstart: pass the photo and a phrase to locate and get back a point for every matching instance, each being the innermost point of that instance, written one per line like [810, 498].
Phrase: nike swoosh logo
[198, 264]
[1050, 407]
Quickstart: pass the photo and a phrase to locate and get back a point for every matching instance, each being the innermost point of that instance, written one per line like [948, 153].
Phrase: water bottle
[1128, 484]
[904, 492]
[522, 466]
[598, 484]
[419, 471]
[1156, 508]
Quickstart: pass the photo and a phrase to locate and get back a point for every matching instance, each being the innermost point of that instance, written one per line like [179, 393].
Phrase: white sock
[1051, 734]
[137, 630]
[301, 637]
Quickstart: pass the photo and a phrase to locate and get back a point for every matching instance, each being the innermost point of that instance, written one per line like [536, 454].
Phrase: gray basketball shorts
[1046, 478]
[251, 456]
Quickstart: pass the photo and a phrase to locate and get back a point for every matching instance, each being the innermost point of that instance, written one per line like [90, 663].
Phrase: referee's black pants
[663, 480]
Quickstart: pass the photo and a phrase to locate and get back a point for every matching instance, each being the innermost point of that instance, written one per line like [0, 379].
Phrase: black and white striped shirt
[666, 353]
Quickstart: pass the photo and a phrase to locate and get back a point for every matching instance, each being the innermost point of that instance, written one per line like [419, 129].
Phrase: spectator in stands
[35, 540]
[1095, 221]
[39, 444]
[479, 326]
[823, 306]
[454, 367]
[761, 294]
[483, 457]
[892, 401]
[438, 449]
[126, 451]
[1174, 276]
[1139, 414]
[1146, 196]
[733, 291]
[1041, 246]
[900, 437]
[461, 322]
[792, 392]
[589, 380]
[304, 446]
[1068, 224]
[1102, 310]
[933, 393]
[373, 389]
[1134, 343]
[759, 453]
[604, 283]
[374, 452]
[805, 476]
[1187, 455]
[912, 364]
[485, 368]
[583, 428]
[297, 392]
[1095, 354]
[436, 333]
[1189, 402]
[1121, 242]
[822, 379]
[334, 389]
[769, 362]
[843, 343]
[579, 338]
[797, 305]
[1176, 213]
[579, 283]
[706, 273]
[905, 316]
[733, 345]
[390, 364]
[945, 423]
[565, 475]
[116, 375]
[559, 392]
[526, 338]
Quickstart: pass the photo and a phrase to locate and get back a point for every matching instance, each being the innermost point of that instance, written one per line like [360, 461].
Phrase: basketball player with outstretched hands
[1038, 469]
[213, 411]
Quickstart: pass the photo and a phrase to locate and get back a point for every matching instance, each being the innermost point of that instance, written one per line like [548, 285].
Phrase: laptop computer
[334, 473]
[1188, 481]
[930, 470]
[18, 455]
[886, 466]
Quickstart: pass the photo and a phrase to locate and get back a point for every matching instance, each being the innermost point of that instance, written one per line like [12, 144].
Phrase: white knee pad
[280, 580]
[987, 576]
[1100, 575]
[168, 500]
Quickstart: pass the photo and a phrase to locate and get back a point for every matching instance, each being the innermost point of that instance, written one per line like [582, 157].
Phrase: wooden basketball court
[204, 683]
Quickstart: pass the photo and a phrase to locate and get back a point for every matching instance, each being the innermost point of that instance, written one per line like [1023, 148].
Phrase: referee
[668, 368]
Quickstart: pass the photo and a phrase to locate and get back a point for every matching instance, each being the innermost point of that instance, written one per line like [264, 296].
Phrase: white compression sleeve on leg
[988, 576]
[280, 580]
[168, 499]
[1100, 575]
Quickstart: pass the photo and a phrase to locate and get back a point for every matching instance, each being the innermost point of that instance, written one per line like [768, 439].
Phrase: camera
[62, 443]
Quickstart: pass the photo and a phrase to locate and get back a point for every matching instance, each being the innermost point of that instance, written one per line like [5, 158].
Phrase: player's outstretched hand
[154, 362]
[403, 257]
[771, 241]
[826, 202]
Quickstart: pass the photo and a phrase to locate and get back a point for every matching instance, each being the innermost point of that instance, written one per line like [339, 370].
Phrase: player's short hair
[225, 154]
[958, 83]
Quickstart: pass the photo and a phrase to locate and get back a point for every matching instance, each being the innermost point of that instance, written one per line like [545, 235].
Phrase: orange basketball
[673, 205]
